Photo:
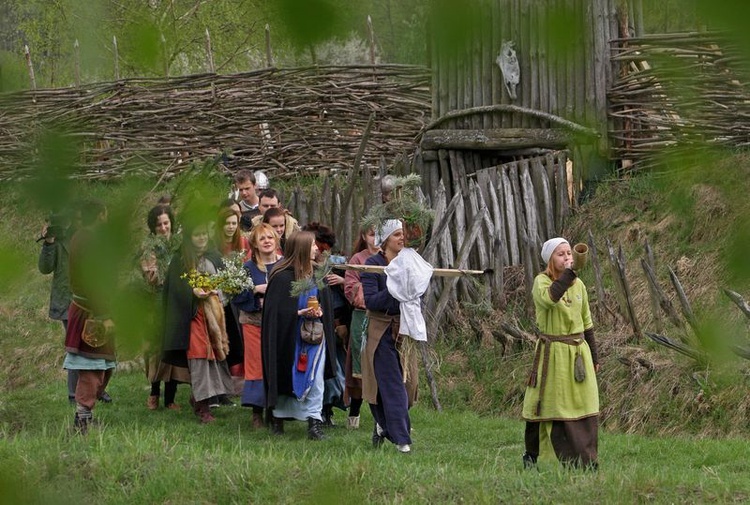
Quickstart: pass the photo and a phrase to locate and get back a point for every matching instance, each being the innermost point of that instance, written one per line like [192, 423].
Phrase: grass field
[139, 456]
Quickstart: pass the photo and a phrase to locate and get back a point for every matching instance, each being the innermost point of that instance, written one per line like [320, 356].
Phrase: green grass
[140, 456]
[469, 453]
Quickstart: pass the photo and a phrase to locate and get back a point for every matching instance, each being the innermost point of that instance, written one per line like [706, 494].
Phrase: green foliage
[404, 203]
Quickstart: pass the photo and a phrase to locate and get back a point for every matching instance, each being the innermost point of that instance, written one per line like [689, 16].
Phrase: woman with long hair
[364, 247]
[294, 370]
[228, 235]
[264, 243]
[195, 333]
[154, 257]
[561, 404]
[230, 240]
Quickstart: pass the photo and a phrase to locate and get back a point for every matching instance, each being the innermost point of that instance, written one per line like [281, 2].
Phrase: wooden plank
[439, 205]
[600, 295]
[496, 139]
[478, 209]
[543, 48]
[533, 77]
[510, 217]
[552, 57]
[301, 210]
[326, 202]
[628, 299]
[523, 48]
[495, 36]
[497, 281]
[544, 197]
[468, 240]
[440, 232]
[500, 220]
[589, 83]
[445, 173]
[531, 208]
[487, 58]
[476, 63]
[687, 310]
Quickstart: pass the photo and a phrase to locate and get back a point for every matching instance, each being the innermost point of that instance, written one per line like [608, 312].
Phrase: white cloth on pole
[407, 278]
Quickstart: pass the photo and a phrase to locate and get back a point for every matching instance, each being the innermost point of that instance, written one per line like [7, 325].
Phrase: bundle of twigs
[284, 121]
[680, 91]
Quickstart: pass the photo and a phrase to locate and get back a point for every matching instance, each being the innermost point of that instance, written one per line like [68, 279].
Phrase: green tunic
[564, 398]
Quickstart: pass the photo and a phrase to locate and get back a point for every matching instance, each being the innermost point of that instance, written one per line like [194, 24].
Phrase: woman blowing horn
[561, 405]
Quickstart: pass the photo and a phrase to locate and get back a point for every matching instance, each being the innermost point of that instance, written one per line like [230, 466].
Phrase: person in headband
[561, 402]
[387, 229]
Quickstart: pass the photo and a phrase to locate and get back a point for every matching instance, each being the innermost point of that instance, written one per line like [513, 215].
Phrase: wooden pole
[117, 57]
[77, 62]
[687, 310]
[436, 272]
[30, 66]
[165, 55]
[269, 58]
[371, 33]
[209, 53]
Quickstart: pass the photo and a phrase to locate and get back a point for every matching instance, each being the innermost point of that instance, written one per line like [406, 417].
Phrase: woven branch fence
[284, 121]
[677, 91]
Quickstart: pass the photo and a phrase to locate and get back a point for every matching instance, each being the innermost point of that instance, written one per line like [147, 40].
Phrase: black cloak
[278, 335]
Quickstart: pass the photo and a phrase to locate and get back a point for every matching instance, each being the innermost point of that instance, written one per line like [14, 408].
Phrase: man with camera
[54, 259]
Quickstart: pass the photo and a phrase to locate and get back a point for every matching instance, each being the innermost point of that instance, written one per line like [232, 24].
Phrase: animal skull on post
[508, 63]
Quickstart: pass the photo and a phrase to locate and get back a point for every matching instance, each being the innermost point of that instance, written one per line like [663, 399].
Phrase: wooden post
[30, 66]
[687, 311]
[165, 55]
[371, 33]
[77, 63]
[209, 53]
[649, 259]
[597, 277]
[628, 301]
[269, 59]
[117, 57]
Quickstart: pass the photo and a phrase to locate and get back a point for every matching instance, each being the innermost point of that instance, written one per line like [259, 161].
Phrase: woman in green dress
[561, 405]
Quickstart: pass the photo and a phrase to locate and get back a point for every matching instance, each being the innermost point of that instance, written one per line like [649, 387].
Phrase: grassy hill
[673, 429]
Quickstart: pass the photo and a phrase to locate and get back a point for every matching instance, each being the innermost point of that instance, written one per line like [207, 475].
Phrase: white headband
[386, 230]
[549, 247]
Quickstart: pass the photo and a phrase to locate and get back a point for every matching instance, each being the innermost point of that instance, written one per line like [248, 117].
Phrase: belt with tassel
[545, 341]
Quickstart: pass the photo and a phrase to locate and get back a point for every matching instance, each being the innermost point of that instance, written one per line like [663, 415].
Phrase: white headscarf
[386, 230]
[549, 247]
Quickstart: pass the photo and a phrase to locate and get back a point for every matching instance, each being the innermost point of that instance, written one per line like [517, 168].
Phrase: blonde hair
[258, 231]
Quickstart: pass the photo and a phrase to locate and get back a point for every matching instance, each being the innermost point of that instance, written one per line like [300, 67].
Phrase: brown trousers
[575, 442]
[91, 384]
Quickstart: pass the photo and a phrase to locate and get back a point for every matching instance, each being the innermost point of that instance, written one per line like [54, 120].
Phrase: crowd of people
[287, 354]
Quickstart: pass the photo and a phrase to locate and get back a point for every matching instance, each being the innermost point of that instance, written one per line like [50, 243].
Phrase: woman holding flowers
[561, 404]
[155, 253]
[195, 336]
[294, 370]
[235, 248]
[264, 243]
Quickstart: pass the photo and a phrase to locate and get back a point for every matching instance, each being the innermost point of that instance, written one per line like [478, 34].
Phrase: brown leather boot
[277, 426]
[204, 412]
[257, 420]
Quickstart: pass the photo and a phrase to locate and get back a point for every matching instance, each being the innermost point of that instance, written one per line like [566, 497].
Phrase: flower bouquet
[230, 280]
